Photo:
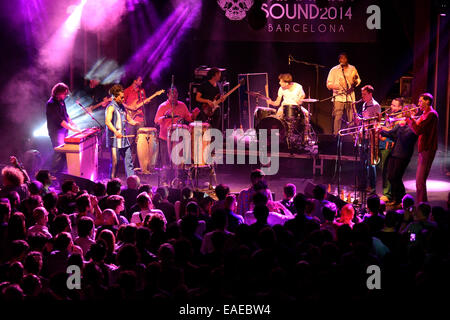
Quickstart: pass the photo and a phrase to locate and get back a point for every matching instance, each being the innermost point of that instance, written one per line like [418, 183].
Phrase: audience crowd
[137, 242]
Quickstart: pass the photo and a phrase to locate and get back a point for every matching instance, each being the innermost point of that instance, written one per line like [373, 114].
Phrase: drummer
[291, 93]
[171, 112]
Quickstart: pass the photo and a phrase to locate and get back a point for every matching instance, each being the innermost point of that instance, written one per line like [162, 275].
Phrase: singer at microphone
[342, 80]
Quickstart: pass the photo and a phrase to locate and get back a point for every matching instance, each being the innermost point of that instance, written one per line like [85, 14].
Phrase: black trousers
[396, 170]
[132, 130]
[59, 162]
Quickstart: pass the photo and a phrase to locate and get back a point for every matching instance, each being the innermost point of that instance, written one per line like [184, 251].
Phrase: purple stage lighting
[156, 54]
[54, 54]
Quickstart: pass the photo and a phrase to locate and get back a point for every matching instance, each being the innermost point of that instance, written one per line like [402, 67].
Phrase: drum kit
[183, 173]
[293, 126]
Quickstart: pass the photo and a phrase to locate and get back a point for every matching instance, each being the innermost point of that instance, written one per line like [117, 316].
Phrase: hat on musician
[211, 73]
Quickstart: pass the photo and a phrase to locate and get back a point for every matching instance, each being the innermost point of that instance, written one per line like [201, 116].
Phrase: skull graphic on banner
[235, 9]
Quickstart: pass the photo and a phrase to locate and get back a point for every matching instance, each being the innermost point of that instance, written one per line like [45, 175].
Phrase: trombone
[368, 124]
[357, 129]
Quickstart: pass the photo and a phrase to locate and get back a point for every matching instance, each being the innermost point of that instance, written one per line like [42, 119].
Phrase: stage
[297, 169]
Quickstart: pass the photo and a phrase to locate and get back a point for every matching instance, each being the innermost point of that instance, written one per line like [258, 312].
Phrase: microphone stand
[87, 112]
[306, 63]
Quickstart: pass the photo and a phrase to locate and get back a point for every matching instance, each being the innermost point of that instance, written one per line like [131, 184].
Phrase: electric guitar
[133, 112]
[102, 103]
[208, 110]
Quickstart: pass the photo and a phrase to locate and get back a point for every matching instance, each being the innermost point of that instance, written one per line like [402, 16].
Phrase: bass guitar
[208, 110]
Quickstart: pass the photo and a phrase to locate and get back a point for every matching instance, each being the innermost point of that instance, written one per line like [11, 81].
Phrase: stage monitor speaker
[328, 145]
[247, 104]
[84, 184]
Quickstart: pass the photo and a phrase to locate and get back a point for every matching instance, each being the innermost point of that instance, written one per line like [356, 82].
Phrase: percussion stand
[308, 124]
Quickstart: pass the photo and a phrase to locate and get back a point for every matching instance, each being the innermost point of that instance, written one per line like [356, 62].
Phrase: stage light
[73, 22]
[442, 7]
[103, 15]
[54, 54]
[156, 54]
[41, 131]
[432, 185]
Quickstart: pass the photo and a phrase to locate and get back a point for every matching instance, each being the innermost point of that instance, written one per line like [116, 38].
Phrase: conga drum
[199, 132]
[171, 144]
[147, 148]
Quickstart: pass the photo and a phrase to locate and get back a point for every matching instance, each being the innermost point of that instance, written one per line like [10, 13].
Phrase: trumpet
[403, 111]
[389, 119]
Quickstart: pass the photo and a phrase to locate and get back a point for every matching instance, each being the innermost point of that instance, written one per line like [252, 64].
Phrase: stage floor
[299, 172]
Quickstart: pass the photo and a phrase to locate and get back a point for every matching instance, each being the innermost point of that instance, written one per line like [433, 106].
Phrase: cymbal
[257, 95]
[309, 100]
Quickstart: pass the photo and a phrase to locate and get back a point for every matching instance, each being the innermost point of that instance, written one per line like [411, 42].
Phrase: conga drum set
[147, 149]
[192, 157]
[293, 129]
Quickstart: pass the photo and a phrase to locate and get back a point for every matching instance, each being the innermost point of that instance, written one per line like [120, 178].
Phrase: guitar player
[133, 95]
[96, 91]
[206, 94]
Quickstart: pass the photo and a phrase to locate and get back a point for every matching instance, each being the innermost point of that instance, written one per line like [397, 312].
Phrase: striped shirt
[118, 120]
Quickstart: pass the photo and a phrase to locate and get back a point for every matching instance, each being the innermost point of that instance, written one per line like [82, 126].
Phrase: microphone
[289, 57]
[173, 80]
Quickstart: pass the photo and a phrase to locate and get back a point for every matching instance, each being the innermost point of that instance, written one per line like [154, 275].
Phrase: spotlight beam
[155, 55]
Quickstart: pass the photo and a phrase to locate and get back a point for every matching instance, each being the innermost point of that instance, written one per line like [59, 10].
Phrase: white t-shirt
[273, 218]
[291, 95]
[139, 217]
[371, 109]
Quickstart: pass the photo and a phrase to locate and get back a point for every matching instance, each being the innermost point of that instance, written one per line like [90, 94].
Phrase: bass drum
[261, 113]
[291, 112]
[271, 123]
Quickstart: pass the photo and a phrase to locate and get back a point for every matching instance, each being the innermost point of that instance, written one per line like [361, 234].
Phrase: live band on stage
[387, 137]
